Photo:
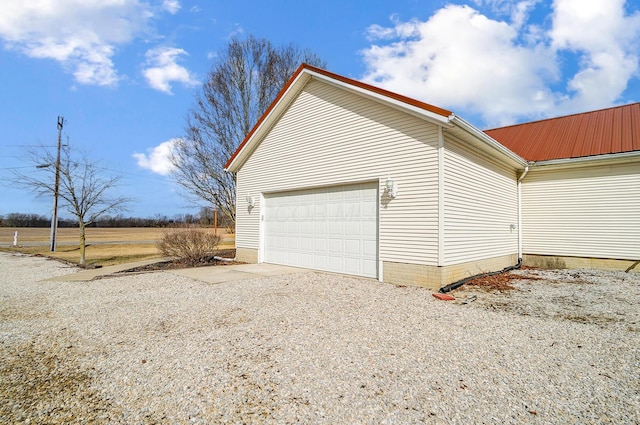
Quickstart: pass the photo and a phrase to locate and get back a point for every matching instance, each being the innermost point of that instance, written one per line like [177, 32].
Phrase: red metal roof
[606, 131]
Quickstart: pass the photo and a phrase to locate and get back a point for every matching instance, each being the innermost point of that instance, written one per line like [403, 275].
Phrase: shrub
[189, 245]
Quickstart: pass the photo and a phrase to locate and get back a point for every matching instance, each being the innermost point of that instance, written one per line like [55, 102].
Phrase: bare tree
[240, 86]
[83, 190]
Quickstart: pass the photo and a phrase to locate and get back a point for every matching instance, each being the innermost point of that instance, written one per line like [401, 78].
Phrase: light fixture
[251, 201]
[391, 187]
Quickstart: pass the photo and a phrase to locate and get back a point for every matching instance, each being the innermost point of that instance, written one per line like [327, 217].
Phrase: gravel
[315, 348]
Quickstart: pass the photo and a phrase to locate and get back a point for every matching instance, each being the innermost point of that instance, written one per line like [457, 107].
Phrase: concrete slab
[219, 274]
[211, 274]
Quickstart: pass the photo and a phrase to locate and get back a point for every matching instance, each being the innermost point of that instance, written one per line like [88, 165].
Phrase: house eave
[402, 105]
[601, 159]
[488, 141]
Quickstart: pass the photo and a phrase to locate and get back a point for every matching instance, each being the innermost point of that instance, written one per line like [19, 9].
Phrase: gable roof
[606, 131]
[305, 72]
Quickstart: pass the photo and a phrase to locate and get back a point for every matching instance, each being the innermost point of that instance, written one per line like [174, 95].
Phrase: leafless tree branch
[239, 88]
[83, 190]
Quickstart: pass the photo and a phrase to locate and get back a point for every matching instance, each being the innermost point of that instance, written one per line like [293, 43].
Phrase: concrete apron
[219, 274]
[210, 274]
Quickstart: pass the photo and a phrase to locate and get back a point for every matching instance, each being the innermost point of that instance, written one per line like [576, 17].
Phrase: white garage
[331, 229]
[343, 177]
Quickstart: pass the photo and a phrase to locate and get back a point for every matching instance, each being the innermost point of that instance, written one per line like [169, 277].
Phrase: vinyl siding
[480, 205]
[583, 212]
[330, 136]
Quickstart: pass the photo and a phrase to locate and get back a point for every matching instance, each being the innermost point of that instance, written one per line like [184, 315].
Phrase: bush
[188, 245]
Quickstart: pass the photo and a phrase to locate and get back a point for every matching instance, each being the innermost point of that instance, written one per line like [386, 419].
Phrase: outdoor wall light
[392, 187]
[251, 201]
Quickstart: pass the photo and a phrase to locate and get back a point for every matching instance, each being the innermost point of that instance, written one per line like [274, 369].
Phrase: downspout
[524, 173]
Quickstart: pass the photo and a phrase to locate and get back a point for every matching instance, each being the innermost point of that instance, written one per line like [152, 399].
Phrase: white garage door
[332, 229]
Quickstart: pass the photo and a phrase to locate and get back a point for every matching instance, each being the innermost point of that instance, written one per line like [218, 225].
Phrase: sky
[124, 73]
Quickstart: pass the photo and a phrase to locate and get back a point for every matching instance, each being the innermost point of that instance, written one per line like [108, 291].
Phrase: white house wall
[583, 212]
[480, 205]
[330, 136]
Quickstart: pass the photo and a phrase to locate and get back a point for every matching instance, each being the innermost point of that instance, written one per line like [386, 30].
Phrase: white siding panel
[330, 136]
[480, 205]
[583, 212]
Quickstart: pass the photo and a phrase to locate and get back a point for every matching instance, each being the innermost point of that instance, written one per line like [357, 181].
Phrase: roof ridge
[375, 89]
[564, 116]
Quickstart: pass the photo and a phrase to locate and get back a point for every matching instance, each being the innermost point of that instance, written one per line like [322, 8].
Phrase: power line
[28, 146]
[18, 168]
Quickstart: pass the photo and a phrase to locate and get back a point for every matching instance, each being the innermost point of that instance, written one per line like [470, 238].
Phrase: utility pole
[54, 218]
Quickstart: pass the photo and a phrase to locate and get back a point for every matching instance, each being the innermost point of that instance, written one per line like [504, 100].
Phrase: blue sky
[123, 73]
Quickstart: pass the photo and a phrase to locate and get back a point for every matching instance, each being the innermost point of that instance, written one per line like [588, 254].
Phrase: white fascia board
[394, 103]
[490, 142]
[267, 121]
[589, 160]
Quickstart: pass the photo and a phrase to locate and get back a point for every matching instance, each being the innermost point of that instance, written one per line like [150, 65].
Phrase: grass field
[105, 246]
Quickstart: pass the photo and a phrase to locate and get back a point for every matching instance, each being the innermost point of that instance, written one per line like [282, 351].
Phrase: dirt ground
[605, 298]
[94, 234]
[105, 246]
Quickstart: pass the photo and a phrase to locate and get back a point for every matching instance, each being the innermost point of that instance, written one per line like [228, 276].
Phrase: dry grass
[499, 282]
[105, 246]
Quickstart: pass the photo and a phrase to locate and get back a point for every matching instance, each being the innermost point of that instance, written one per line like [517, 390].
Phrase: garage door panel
[370, 209]
[353, 230]
[320, 228]
[352, 210]
[321, 262]
[352, 266]
[353, 247]
[333, 229]
[335, 246]
[335, 211]
[369, 229]
[336, 229]
[306, 244]
[293, 227]
[306, 229]
[304, 211]
[336, 264]
[320, 246]
[369, 248]
[293, 244]
[320, 210]
[369, 264]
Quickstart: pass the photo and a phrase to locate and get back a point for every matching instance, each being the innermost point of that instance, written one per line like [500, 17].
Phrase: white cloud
[81, 34]
[157, 159]
[606, 41]
[517, 10]
[163, 69]
[236, 32]
[171, 6]
[507, 70]
[461, 59]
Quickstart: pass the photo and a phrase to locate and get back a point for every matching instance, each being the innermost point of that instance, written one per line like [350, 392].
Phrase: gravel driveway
[315, 348]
